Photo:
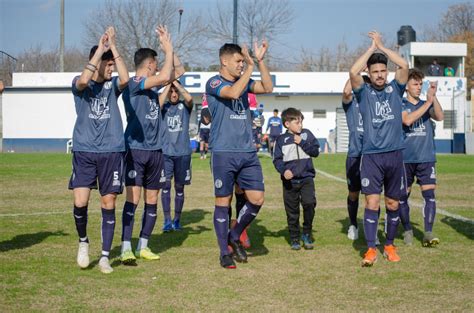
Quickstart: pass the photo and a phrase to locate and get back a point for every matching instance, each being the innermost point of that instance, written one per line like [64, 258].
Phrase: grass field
[38, 243]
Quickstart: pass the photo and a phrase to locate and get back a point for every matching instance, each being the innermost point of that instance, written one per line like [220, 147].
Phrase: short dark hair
[275, 111]
[290, 114]
[105, 57]
[142, 54]
[377, 58]
[415, 74]
[229, 48]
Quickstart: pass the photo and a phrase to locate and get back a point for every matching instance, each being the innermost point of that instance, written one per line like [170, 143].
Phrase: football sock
[221, 227]
[429, 209]
[393, 219]
[371, 218]
[80, 219]
[246, 216]
[352, 208]
[178, 201]
[108, 227]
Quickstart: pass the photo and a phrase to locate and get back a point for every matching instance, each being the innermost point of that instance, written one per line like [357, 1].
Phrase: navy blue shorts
[90, 167]
[383, 170]
[144, 168]
[204, 135]
[178, 167]
[425, 173]
[353, 173]
[242, 168]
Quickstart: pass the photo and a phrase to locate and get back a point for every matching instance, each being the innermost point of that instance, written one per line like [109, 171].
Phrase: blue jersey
[231, 128]
[275, 125]
[381, 112]
[143, 115]
[98, 126]
[176, 129]
[419, 137]
[355, 126]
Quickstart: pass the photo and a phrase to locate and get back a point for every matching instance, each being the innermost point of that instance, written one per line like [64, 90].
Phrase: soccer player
[292, 159]
[98, 143]
[204, 128]
[257, 123]
[234, 158]
[419, 154]
[176, 150]
[144, 159]
[275, 127]
[380, 104]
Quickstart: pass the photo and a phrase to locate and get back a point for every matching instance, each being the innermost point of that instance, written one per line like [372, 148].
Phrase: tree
[135, 23]
[36, 59]
[256, 20]
[458, 19]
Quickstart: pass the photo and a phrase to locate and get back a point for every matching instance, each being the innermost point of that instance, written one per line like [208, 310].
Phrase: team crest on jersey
[215, 83]
[108, 84]
[304, 136]
[132, 174]
[218, 183]
[180, 106]
[365, 182]
[389, 89]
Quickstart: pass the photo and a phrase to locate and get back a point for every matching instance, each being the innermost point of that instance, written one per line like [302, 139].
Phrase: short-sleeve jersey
[176, 129]
[381, 112]
[143, 115]
[419, 137]
[275, 124]
[355, 126]
[98, 126]
[231, 128]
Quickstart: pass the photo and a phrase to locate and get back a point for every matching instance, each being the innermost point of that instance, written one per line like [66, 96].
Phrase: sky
[28, 23]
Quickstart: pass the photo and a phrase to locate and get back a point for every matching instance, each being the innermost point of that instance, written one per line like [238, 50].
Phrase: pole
[235, 37]
[61, 38]
[179, 24]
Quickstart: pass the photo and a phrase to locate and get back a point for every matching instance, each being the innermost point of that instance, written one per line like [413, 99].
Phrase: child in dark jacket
[292, 159]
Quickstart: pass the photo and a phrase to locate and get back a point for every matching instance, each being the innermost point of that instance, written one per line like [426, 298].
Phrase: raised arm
[166, 46]
[409, 118]
[265, 85]
[162, 97]
[347, 92]
[119, 63]
[436, 111]
[93, 64]
[178, 67]
[401, 75]
[188, 99]
[355, 72]
[236, 90]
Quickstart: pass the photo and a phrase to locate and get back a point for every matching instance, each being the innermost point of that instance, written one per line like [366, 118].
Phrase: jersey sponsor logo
[154, 111]
[174, 124]
[383, 110]
[418, 128]
[215, 83]
[239, 110]
[108, 85]
[365, 182]
[389, 89]
[218, 183]
[132, 174]
[99, 108]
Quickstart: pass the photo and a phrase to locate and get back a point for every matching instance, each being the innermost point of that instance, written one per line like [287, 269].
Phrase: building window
[319, 113]
[449, 119]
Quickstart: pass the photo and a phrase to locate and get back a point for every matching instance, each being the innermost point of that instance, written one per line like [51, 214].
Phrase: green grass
[38, 270]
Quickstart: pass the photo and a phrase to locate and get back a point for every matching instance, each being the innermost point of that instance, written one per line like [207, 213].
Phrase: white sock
[142, 243]
[126, 245]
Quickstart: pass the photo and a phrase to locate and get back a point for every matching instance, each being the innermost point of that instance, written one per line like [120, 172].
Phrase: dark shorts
[353, 173]
[256, 134]
[90, 167]
[383, 170]
[273, 138]
[178, 167]
[425, 173]
[204, 135]
[144, 168]
[242, 168]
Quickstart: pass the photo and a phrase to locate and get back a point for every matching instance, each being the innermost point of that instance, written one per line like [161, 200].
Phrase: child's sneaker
[307, 242]
[295, 245]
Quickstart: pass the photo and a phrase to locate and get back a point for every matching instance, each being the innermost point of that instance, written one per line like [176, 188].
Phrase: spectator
[449, 71]
[434, 69]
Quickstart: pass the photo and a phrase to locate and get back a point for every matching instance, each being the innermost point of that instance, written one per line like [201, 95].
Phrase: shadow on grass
[27, 240]
[257, 233]
[461, 227]
[160, 242]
